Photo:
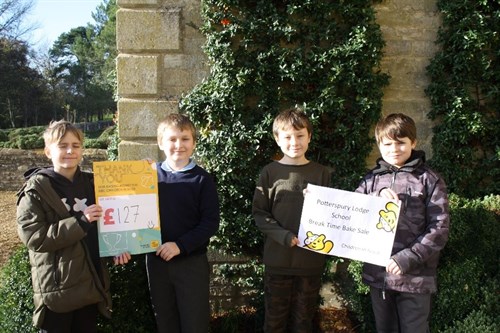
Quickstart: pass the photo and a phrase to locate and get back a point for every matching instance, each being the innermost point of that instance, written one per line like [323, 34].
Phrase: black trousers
[179, 293]
[83, 320]
[401, 312]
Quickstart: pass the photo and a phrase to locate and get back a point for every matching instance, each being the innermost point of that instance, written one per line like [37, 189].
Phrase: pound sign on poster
[108, 216]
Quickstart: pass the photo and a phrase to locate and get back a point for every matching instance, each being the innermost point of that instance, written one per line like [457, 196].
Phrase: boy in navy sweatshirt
[178, 273]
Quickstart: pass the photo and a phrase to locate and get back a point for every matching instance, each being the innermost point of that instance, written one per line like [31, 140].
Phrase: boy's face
[65, 154]
[294, 144]
[178, 146]
[396, 152]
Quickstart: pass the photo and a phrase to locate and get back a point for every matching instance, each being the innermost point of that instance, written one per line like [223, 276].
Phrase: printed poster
[348, 224]
[128, 194]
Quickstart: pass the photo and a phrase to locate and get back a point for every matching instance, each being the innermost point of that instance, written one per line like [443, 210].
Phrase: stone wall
[15, 162]
[160, 58]
[409, 29]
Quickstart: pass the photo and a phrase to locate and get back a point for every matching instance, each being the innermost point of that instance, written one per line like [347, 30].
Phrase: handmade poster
[348, 224]
[128, 194]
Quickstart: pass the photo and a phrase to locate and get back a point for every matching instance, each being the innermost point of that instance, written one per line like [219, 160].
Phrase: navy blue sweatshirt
[189, 208]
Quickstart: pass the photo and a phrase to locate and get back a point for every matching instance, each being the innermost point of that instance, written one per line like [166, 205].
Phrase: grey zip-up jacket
[63, 275]
[423, 224]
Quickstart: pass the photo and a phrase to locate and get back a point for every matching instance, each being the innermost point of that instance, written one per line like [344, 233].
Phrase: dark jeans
[290, 303]
[401, 312]
[83, 320]
[179, 293]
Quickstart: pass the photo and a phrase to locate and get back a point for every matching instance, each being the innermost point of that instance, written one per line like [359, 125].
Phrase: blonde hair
[293, 117]
[58, 129]
[176, 120]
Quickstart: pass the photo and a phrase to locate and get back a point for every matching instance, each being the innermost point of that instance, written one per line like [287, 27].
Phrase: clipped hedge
[468, 284]
[16, 294]
[132, 310]
[467, 300]
[32, 138]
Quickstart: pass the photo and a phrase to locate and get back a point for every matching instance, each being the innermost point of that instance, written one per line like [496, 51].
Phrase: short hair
[292, 117]
[58, 129]
[176, 120]
[396, 126]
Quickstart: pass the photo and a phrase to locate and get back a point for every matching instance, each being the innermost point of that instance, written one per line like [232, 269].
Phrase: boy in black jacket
[401, 291]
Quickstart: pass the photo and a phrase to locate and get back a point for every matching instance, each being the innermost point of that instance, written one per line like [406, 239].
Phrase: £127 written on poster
[128, 193]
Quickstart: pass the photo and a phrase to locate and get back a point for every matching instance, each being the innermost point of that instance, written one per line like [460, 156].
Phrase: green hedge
[16, 294]
[468, 282]
[465, 97]
[32, 138]
[267, 55]
[132, 310]
[467, 300]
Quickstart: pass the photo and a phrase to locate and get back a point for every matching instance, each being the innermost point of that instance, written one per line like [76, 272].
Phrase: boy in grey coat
[401, 291]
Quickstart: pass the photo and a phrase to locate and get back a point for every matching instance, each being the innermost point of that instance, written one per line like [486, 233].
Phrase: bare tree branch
[12, 18]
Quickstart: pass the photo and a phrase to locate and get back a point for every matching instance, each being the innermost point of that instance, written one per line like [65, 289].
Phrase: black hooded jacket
[422, 229]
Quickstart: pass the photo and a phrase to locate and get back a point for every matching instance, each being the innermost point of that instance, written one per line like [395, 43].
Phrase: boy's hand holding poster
[348, 224]
[128, 193]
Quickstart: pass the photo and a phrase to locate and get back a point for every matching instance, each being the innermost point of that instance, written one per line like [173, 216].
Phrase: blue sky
[53, 17]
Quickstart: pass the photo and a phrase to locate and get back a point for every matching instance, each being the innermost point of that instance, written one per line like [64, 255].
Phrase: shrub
[131, 305]
[16, 293]
[25, 138]
[269, 55]
[29, 141]
[465, 94]
[114, 140]
[32, 138]
[467, 275]
[95, 143]
[132, 310]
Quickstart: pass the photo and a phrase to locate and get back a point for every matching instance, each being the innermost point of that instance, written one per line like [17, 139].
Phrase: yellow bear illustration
[388, 218]
[318, 243]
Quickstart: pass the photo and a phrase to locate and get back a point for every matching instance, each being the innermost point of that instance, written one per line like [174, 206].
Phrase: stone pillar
[159, 59]
[409, 29]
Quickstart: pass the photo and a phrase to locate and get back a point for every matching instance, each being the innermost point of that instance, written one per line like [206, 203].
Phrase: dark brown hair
[396, 126]
[293, 117]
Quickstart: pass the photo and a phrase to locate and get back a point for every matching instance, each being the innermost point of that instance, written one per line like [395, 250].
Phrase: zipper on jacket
[393, 179]
[408, 195]
[383, 286]
[57, 276]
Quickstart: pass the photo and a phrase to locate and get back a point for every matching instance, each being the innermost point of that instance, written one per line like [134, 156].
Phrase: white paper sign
[348, 224]
[127, 191]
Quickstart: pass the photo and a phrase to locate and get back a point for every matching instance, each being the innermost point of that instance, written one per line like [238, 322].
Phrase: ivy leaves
[269, 55]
